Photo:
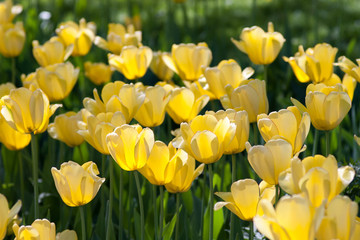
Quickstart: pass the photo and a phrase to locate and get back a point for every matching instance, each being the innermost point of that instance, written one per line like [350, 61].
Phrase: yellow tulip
[261, 47]
[270, 160]
[348, 83]
[80, 35]
[98, 127]
[356, 233]
[159, 68]
[314, 64]
[42, 230]
[77, 185]
[65, 127]
[8, 11]
[98, 73]
[130, 146]
[188, 60]
[52, 52]
[132, 61]
[288, 124]
[152, 112]
[350, 68]
[27, 111]
[227, 72]
[183, 106]
[293, 219]
[249, 96]
[118, 36]
[29, 81]
[241, 121]
[340, 220]
[12, 39]
[57, 80]
[200, 87]
[327, 105]
[242, 200]
[7, 214]
[205, 137]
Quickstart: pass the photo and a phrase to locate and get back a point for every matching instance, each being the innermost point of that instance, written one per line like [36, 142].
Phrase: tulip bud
[12, 39]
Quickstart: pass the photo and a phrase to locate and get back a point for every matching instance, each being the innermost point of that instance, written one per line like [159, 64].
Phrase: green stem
[202, 205]
[109, 220]
[81, 155]
[138, 186]
[251, 229]
[83, 229]
[22, 186]
[211, 202]
[327, 143]
[155, 211]
[35, 161]
[13, 71]
[316, 139]
[161, 211]
[277, 195]
[353, 123]
[266, 74]
[121, 186]
[177, 216]
[131, 183]
[233, 178]
[255, 133]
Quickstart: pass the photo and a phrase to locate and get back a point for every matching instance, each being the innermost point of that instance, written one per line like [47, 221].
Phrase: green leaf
[187, 200]
[218, 223]
[169, 228]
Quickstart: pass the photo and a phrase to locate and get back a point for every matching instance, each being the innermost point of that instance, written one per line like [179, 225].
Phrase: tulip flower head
[261, 47]
[12, 39]
[77, 185]
[8, 11]
[326, 105]
[188, 60]
[159, 67]
[348, 67]
[7, 215]
[98, 73]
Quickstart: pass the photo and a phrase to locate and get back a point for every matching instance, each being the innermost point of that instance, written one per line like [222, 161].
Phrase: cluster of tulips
[296, 199]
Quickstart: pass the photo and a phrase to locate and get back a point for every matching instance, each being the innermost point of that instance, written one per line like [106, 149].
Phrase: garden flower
[52, 52]
[200, 87]
[130, 146]
[227, 72]
[241, 121]
[243, 199]
[261, 47]
[8, 11]
[42, 229]
[57, 80]
[183, 106]
[288, 124]
[159, 67]
[80, 35]
[98, 73]
[12, 39]
[314, 64]
[188, 60]
[27, 111]
[270, 160]
[65, 127]
[294, 218]
[205, 137]
[118, 37]
[98, 127]
[132, 62]
[348, 67]
[327, 105]
[7, 214]
[152, 112]
[250, 96]
[77, 185]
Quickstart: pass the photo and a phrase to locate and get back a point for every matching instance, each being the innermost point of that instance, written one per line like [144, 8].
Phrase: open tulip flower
[314, 64]
[293, 219]
[327, 105]
[8, 11]
[98, 73]
[270, 160]
[132, 62]
[77, 185]
[189, 60]
[42, 229]
[318, 177]
[183, 106]
[159, 67]
[130, 146]
[118, 37]
[261, 47]
[12, 39]
[205, 137]
[340, 220]
[243, 198]
[227, 72]
[57, 80]
[7, 214]
[80, 35]
[288, 124]
[249, 96]
[27, 111]
[52, 52]
[348, 67]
